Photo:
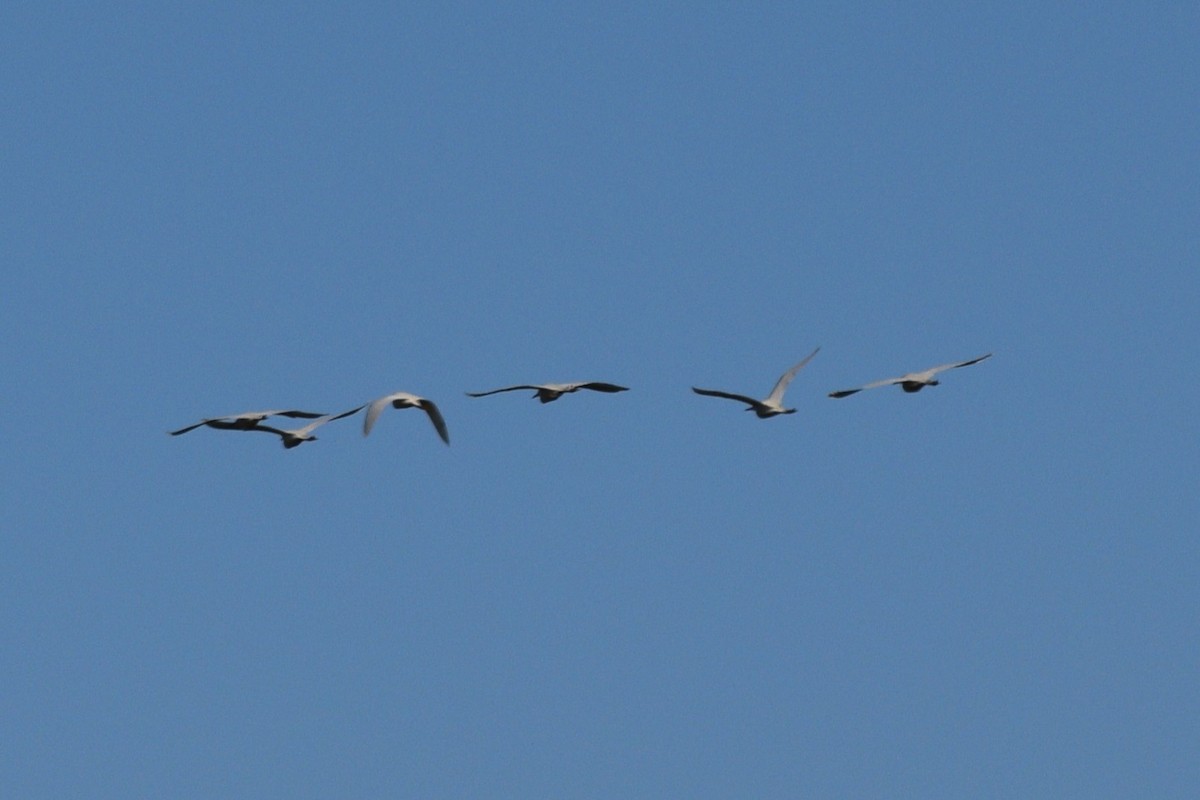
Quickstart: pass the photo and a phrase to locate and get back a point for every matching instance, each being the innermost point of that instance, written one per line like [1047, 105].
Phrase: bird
[548, 392]
[245, 421]
[772, 406]
[406, 400]
[298, 436]
[913, 381]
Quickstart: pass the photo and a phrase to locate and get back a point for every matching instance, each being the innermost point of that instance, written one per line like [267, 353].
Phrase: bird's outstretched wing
[240, 422]
[885, 382]
[319, 421]
[728, 396]
[345, 414]
[230, 425]
[597, 386]
[958, 364]
[505, 389]
[872, 385]
[298, 414]
[374, 408]
[776, 395]
[435, 416]
[199, 424]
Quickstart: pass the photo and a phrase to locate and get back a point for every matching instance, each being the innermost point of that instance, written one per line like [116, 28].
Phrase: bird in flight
[406, 400]
[913, 381]
[246, 421]
[772, 406]
[298, 436]
[546, 392]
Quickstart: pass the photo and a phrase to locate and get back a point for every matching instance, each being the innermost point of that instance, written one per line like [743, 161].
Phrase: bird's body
[406, 400]
[298, 436]
[547, 392]
[246, 421]
[913, 381]
[772, 405]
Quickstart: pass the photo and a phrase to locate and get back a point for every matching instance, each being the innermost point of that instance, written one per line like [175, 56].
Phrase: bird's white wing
[886, 382]
[316, 423]
[302, 432]
[957, 364]
[256, 414]
[374, 408]
[776, 395]
[872, 385]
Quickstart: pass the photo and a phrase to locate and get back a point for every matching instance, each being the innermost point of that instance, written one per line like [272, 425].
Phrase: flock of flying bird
[770, 406]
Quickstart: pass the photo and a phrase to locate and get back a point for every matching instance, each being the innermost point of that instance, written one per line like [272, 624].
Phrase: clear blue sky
[989, 589]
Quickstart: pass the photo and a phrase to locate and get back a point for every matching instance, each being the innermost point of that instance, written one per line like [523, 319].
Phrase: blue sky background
[988, 589]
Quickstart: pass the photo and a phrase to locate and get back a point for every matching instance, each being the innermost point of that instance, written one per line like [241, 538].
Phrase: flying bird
[913, 381]
[298, 436]
[773, 404]
[246, 421]
[547, 392]
[406, 400]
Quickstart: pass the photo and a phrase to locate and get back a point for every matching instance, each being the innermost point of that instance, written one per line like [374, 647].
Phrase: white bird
[773, 404]
[546, 392]
[298, 436]
[406, 400]
[246, 421]
[913, 381]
